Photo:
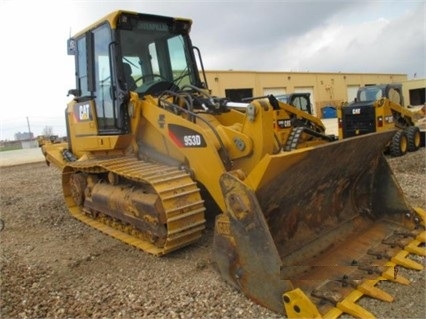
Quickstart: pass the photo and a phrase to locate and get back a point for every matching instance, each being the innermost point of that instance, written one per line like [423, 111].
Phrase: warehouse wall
[327, 89]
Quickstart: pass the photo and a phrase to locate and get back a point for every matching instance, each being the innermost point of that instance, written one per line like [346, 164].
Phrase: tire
[399, 144]
[414, 138]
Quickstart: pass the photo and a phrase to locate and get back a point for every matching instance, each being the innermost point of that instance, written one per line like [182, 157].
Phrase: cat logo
[84, 112]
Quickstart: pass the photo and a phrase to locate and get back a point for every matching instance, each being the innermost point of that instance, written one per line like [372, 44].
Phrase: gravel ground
[53, 266]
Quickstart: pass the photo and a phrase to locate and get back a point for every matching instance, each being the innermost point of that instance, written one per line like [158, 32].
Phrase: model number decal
[185, 137]
[284, 123]
[192, 140]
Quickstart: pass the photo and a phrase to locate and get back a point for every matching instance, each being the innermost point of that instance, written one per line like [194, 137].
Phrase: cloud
[242, 37]
[329, 36]
[376, 46]
[323, 37]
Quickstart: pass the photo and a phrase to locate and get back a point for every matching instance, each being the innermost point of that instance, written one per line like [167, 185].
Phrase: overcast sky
[281, 35]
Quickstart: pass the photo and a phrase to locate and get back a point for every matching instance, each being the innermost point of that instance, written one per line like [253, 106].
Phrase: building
[414, 92]
[24, 136]
[326, 89]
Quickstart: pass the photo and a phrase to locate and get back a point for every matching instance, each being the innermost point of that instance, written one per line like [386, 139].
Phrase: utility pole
[29, 129]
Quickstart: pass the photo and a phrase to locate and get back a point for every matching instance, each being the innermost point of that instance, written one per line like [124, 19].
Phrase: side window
[82, 67]
[154, 65]
[301, 103]
[104, 104]
[395, 96]
[178, 60]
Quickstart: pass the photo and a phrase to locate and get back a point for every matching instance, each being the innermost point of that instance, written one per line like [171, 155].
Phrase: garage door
[351, 92]
[273, 91]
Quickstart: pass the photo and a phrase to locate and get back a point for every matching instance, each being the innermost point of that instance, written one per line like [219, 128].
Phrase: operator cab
[375, 92]
[368, 94]
[125, 52]
[300, 101]
[159, 54]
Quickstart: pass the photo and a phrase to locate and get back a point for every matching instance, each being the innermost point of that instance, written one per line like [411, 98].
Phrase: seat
[130, 81]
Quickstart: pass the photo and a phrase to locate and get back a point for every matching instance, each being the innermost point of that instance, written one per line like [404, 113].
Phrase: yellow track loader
[151, 155]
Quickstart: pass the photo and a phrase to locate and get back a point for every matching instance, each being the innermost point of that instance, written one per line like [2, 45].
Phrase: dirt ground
[53, 266]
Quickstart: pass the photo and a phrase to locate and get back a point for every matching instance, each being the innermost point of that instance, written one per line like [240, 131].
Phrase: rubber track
[179, 195]
[293, 139]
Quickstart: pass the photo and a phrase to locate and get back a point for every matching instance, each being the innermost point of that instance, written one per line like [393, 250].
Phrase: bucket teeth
[409, 243]
[298, 305]
[414, 247]
[388, 272]
[422, 237]
[349, 306]
[368, 288]
[335, 295]
[401, 259]
[391, 274]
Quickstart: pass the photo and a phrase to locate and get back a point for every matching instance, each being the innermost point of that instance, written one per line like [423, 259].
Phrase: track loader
[378, 108]
[151, 155]
[295, 126]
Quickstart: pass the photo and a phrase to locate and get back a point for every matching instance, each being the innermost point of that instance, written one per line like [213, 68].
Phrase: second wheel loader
[151, 155]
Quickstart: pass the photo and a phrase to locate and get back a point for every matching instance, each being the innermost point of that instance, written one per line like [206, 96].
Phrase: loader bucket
[318, 227]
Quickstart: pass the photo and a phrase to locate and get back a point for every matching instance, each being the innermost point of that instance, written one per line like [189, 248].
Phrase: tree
[47, 131]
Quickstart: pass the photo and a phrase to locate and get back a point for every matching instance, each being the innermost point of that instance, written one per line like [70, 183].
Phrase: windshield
[152, 52]
[370, 94]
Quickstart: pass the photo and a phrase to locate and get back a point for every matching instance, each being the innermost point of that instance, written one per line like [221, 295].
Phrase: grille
[358, 120]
